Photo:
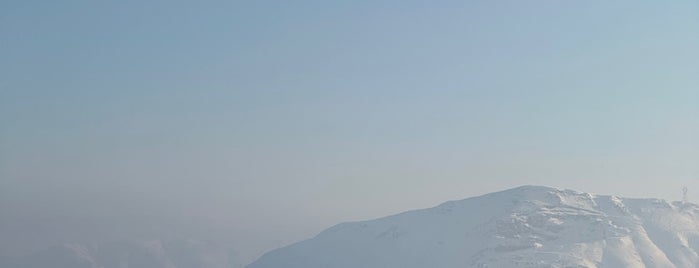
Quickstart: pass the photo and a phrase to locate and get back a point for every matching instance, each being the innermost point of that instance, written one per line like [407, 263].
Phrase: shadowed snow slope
[529, 226]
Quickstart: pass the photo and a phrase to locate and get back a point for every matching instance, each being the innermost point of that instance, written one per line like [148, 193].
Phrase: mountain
[529, 226]
[147, 254]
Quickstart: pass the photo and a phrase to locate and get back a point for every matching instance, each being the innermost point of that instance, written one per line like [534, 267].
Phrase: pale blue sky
[266, 121]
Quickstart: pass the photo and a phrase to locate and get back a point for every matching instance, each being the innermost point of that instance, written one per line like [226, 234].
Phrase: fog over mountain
[529, 226]
[123, 254]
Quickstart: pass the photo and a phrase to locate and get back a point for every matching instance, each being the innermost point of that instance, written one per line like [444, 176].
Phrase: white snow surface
[528, 226]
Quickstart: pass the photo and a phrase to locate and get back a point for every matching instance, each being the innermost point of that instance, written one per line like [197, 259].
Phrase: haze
[260, 123]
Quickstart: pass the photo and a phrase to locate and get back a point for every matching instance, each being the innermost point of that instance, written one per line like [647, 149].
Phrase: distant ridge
[145, 254]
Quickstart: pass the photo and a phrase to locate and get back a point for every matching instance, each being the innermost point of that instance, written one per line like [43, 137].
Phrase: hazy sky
[264, 122]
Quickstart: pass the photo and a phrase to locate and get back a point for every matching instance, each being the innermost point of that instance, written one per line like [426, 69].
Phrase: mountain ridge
[526, 226]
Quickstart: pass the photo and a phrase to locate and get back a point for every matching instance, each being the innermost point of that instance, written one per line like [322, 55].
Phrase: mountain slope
[529, 226]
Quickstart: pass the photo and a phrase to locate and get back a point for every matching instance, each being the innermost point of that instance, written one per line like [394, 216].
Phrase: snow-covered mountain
[148, 254]
[529, 226]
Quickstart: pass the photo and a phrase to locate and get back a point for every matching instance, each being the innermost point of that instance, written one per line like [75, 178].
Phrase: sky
[264, 122]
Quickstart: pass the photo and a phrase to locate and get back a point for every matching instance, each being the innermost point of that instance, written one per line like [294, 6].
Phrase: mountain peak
[527, 226]
[529, 187]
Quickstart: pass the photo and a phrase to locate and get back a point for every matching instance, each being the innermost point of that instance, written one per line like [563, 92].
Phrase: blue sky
[267, 121]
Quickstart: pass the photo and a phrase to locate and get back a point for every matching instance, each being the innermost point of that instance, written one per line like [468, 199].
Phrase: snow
[529, 226]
